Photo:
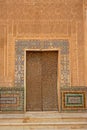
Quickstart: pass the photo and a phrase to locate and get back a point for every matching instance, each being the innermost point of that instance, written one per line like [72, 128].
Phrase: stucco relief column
[85, 27]
[73, 56]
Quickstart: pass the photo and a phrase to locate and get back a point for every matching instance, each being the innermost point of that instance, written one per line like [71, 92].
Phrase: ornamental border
[22, 45]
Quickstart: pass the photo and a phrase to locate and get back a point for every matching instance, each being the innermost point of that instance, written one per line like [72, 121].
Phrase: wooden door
[41, 80]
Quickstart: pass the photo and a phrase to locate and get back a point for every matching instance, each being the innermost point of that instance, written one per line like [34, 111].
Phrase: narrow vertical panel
[33, 79]
[49, 80]
[2, 56]
[81, 54]
[85, 48]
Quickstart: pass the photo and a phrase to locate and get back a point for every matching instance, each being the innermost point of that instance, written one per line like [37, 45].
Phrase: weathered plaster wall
[34, 19]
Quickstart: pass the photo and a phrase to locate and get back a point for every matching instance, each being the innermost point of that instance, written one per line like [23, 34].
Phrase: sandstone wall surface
[39, 19]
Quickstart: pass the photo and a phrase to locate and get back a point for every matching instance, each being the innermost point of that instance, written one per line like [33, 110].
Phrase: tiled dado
[11, 99]
[62, 45]
[74, 99]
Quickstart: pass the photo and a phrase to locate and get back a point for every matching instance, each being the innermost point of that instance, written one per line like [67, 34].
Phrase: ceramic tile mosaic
[62, 45]
[73, 99]
[11, 99]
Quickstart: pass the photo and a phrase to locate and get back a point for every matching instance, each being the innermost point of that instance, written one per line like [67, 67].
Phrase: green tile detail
[74, 99]
[11, 99]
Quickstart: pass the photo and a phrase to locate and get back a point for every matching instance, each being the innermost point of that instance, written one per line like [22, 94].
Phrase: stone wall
[30, 19]
[49, 20]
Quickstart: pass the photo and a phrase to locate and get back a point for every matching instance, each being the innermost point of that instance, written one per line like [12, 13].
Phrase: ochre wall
[39, 19]
[85, 37]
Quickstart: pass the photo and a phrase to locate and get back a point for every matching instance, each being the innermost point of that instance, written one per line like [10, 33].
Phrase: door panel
[49, 80]
[33, 91]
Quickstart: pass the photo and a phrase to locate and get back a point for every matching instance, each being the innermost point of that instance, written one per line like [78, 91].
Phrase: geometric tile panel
[61, 45]
[11, 99]
[73, 100]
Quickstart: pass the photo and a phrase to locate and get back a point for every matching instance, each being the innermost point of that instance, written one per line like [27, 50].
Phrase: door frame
[58, 75]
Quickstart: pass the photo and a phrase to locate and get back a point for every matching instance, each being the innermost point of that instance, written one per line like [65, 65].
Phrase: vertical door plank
[33, 81]
[49, 80]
